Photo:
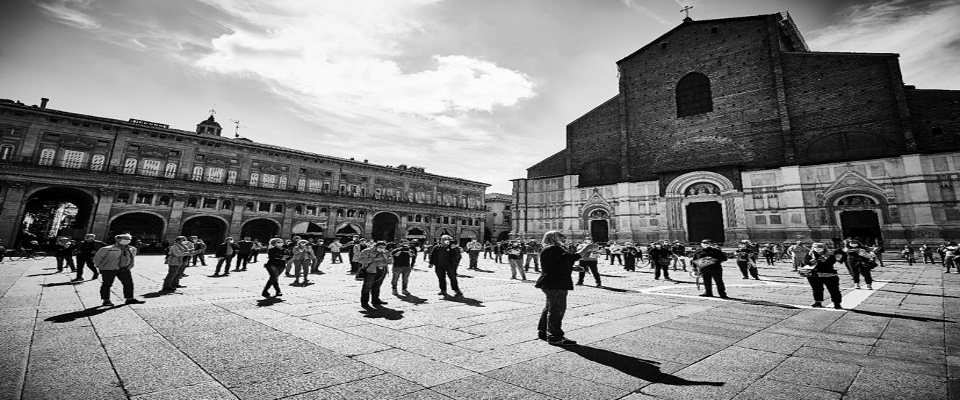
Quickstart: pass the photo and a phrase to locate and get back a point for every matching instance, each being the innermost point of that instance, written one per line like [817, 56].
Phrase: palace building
[733, 129]
[68, 174]
[498, 217]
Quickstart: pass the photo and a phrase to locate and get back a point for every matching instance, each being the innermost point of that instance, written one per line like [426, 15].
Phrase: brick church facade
[734, 129]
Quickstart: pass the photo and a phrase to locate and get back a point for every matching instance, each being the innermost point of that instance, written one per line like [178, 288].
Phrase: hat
[707, 241]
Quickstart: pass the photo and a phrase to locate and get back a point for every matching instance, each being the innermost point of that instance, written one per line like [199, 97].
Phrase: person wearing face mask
[588, 260]
[276, 259]
[708, 258]
[445, 257]
[225, 253]
[660, 258]
[115, 262]
[555, 282]
[747, 260]
[302, 256]
[822, 274]
[373, 262]
[630, 256]
[949, 256]
[85, 252]
[859, 262]
[175, 264]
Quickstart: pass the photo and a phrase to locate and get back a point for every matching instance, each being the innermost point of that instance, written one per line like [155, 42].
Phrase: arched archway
[598, 219]
[146, 229]
[385, 226]
[211, 230]
[487, 234]
[55, 211]
[467, 235]
[346, 231]
[261, 229]
[503, 236]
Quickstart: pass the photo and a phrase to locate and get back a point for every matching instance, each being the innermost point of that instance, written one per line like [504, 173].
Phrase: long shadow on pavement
[765, 303]
[158, 294]
[51, 273]
[412, 299]
[268, 302]
[464, 300]
[910, 317]
[382, 312]
[74, 315]
[636, 367]
[67, 283]
[919, 294]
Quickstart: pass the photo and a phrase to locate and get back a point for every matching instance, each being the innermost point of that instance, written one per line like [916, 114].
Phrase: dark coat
[660, 256]
[557, 266]
[445, 256]
[245, 246]
[712, 252]
[222, 249]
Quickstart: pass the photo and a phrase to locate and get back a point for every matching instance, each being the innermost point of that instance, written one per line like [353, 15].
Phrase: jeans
[336, 257]
[242, 259]
[833, 286]
[126, 279]
[68, 260]
[710, 275]
[487, 254]
[399, 272]
[589, 265]
[515, 266]
[447, 272]
[616, 257]
[949, 262]
[273, 281]
[928, 257]
[88, 262]
[173, 276]
[225, 263]
[498, 258]
[660, 267]
[371, 286]
[748, 268]
[474, 256]
[301, 267]
[551, 319]
[199, 257]
[679, 260]
[536, 262]
[856, 270]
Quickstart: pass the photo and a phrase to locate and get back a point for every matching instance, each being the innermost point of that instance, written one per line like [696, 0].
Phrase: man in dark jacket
[660, 257]
[445, 258]
[244, 250]
[708, 259]
[226, 251]
[555, 281]
[85, 252]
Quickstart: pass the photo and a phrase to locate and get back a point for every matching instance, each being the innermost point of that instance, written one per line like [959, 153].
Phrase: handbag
[362, 273]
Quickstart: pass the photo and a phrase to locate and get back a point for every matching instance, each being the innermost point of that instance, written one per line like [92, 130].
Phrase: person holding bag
[302, 260]
[176, 262]
[820, 272]
[276, 261]
[859, 262]
[373, 265]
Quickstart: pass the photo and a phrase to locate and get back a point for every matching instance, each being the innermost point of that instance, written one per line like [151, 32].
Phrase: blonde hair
[552, 238]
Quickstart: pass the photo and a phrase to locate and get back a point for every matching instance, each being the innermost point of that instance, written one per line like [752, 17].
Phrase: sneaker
[265, 294]
[405, 292]
[858, 286]
[816, 304]
[76, 280]
[562, 342]
[706, 295]
[869, 287]
[579, 283]
[180, 286]
[134, 301]
[108, 303]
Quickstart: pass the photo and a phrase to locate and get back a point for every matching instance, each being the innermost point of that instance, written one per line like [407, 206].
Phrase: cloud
[70, 12]
[633, 5]
[925, 34]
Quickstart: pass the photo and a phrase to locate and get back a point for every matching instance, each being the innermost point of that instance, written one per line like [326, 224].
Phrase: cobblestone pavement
[640, 338]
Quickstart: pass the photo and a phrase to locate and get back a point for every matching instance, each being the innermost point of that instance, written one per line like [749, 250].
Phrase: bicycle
[696, 274]
[18, 254]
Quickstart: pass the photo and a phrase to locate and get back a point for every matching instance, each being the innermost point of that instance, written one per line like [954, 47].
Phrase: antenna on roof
[237, 126]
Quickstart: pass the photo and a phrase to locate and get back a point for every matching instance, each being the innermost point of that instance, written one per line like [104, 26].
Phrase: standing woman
[515, 258]
[255, 252]
[373, 264]
[276, 259]
[822, 274]
[555, 281]
[177, 256]
[859, 262]
[630, 254]
[64, 253]
[302, 260]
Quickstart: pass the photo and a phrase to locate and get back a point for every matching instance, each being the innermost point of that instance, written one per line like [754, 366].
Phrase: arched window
[197, 173]
[130, 166]
[170, 171]
[163, 201]
[694, 95]
[6, 151]
[226, 205]
[96, 163]
[254, 179]
[123, 198]
[232, 177]
[46, 157]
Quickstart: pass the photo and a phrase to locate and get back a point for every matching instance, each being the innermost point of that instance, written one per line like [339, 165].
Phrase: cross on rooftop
[686, 9]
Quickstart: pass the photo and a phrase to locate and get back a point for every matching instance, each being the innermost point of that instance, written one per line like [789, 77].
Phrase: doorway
[600, 230]
[863, 225]
[385, 227]
[705, 221]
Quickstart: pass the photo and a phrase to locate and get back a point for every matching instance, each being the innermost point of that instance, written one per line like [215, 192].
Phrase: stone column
[11, 212]
[286, 225]
[175, 222]
[101, 215]
[236, 220]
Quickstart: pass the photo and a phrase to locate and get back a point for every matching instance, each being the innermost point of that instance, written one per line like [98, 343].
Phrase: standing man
[64, 253]
[532, 250]
[335, 256]
[747, 260]
[320, 251]
[244, 250]
[85, 252]
[115, 262]
[708, 259]
[487, 250]
[374, 261]
[798, 252]
[225, 253]
[498, 252]
[404, 257]
[660, 257]
[555, 283]
[679, 255]
[588, 260]
[445, 257]
[199, 247]
[615, 253]
[927, 252]
[473, 250]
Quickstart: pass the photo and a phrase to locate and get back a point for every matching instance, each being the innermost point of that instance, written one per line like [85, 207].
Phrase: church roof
[210, 121]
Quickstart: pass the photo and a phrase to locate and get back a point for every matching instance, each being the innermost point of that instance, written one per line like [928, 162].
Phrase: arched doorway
[467, 235]
[261, 229]
[385, 226]
[416, 233]
[487, 234]
[56, 211]
[346, 232]
[705, 221]
[503, 236]
[146, 229]
[211, 230]
[599, 226]
[859, 219]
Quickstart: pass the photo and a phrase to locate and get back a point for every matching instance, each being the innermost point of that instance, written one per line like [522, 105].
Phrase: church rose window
[694, 95]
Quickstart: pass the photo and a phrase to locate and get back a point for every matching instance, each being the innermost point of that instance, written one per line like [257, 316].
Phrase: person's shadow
[269, 301]
[73, 316]
[409, 298]
[647, 370]
[67, 283]
[464, 300]
[382, 312]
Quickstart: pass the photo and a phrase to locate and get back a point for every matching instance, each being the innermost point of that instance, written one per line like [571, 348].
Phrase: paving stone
[773, 342]
[833, 376]
[206, 391]
[720, 376]
[877, 383]
[909, 352]
[385, 386]
[297, 384]
[872, 361]
[479, 387]
[556, 384]
[148, 363]
[440, 334]
[414, 367]
[766, 389]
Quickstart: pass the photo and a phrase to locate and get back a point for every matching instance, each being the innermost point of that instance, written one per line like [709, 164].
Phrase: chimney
[43, 102]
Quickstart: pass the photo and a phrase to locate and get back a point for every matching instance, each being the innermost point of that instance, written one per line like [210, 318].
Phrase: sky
[476, 89]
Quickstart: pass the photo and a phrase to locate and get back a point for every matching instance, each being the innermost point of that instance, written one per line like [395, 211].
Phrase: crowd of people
[554, 258]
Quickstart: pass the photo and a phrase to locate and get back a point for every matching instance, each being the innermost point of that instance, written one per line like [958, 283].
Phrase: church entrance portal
[600, 230]
[209, 229]
[862, 225]
[385, 227]
[705, 221]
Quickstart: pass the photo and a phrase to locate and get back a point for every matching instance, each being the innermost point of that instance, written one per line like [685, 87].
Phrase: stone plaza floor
[639, 338]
